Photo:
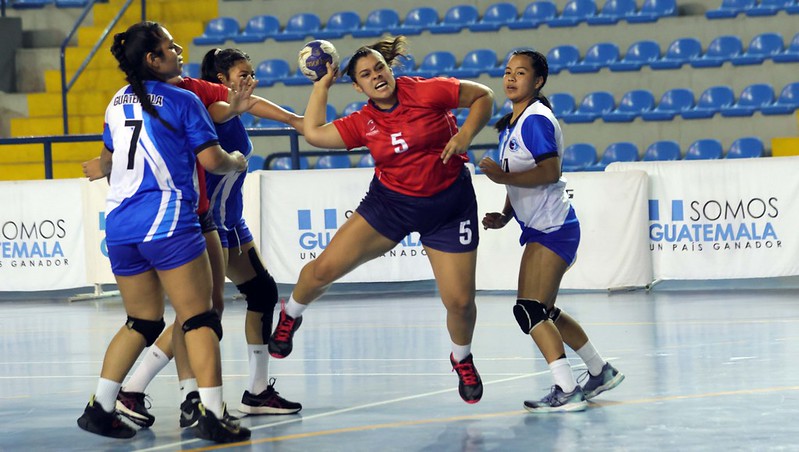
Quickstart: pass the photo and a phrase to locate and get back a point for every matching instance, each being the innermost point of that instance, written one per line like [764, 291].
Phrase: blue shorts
[165, 254]
[563, 242]
[207, 222]
[235, 236]
[446, 221]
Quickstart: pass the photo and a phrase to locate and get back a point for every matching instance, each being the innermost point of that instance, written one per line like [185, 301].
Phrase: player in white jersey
[531, 148]
[152, 136]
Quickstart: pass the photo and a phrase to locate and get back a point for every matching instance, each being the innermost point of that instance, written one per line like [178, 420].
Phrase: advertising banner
[98, 266]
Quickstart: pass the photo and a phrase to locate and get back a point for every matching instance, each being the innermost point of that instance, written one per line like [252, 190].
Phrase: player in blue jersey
[531, 148]
[153, 133]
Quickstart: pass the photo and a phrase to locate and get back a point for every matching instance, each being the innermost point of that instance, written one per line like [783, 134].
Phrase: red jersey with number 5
[406, 141]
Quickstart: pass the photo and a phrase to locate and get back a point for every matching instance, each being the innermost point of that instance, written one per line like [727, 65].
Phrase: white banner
[302, 210]
[41, 235]
[98, 266]
[613, 249]
[721, 219]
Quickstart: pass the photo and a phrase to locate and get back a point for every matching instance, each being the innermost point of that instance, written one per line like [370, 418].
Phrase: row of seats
[257, 162]
[457, 18]
[752, 8]
[583, 156]
[29, 4]
[676, 102]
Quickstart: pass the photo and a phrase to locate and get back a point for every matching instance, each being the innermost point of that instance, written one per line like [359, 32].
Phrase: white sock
[154, 360]
[562, 374]
[211, 398]
[106, 394]
[460, 352]
[592, 359]
[259, 368]
[294, 309]
[186, 386]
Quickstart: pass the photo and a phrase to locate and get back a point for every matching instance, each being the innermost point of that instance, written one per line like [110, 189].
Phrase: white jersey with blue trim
[225, 191]
[153, 185]
[534, 137]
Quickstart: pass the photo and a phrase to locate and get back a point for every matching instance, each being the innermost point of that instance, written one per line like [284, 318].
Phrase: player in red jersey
[420, 185]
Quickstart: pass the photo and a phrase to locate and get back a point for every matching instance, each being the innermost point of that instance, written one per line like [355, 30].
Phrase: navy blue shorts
[164, 254]
[563, 242]
[446, 221]
[235, 236]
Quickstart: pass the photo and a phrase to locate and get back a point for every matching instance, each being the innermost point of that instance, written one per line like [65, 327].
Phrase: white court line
[181, 444]
[331, 374]
[513, 358]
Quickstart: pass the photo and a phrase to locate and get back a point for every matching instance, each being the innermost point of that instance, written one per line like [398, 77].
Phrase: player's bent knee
[208, 319]
[150, 329]
[260, 293]
[529, 314]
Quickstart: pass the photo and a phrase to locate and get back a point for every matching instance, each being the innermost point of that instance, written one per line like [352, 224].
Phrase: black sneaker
[267, 402]
[225, 430]
[470, 386]
[280, 343]
[189, 411]
[132, 406]
[96, 420]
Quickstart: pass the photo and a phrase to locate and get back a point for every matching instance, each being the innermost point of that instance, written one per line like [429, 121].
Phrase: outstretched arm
[318, 132]
[479, 99]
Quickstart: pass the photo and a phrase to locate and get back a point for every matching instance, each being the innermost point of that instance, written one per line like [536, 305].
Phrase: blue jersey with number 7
[153, 184]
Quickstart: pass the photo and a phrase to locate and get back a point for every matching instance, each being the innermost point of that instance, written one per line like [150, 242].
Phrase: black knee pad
[554, 314]
[529, 313]
[208, 319]
[260, 293]
[150, 329]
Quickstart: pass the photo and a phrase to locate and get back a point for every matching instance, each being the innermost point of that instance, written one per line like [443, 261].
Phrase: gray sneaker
[558, 401]
[608, 379]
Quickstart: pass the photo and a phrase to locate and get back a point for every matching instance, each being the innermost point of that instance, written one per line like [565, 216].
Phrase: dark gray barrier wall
[11, 37]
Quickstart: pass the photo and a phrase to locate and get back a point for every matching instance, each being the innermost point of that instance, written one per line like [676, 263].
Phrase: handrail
[66, 87]
[47, 142]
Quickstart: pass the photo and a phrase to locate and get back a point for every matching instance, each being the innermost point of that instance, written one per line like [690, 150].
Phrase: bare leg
[455, 276]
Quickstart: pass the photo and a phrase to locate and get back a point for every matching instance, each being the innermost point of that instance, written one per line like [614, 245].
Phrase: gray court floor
[708, 368]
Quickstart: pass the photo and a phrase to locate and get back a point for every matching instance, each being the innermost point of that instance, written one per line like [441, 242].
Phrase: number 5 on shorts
[466, 233]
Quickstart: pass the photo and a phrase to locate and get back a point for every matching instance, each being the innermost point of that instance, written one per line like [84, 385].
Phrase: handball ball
[314, 57]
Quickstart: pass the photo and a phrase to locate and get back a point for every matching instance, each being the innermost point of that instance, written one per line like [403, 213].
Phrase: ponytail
[389, 48]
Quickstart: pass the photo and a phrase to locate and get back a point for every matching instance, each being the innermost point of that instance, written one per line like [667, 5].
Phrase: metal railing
[65, 87]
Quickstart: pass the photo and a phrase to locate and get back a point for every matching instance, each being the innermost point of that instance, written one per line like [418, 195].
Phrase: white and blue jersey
[153, 185]
[534, 137]
[225, 191]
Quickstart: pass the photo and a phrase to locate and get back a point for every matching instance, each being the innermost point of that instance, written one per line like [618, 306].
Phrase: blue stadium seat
[672, 103]
[274, 124]
[704, 149]
[339, 24]
[249, 120]
[269, 72]
[476, 62]
[299, 27]
[791, 54]
[284, 163]
[377, 22]
[218, 30]
[255, 163]
[660, 151]
[792, 9]
[71, 3]
[367, 161]
[258, 29]
[652, 10]
[460, 116]
[440, 62]
[632, 105]
[599, 55]
[507, 107]
[416, 21]
[613, 11]
[746, 147]
[297, 78]
[593, 106]
[333, 161]
[578, 157]
[787, 103]
[616, 152]
[769, 7]
[680, 52]
[407, 66]
[191, 70]
[762, 46]
[30, 4]
[562, 57]
[536, 13]
[562, 104]
[720, 50]
[495, 17]
[575, 12]
[352, 107]
[752, 98]
[330, 113]
[456, 18]
[639, 54]
[710, 102]
[730, 8]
